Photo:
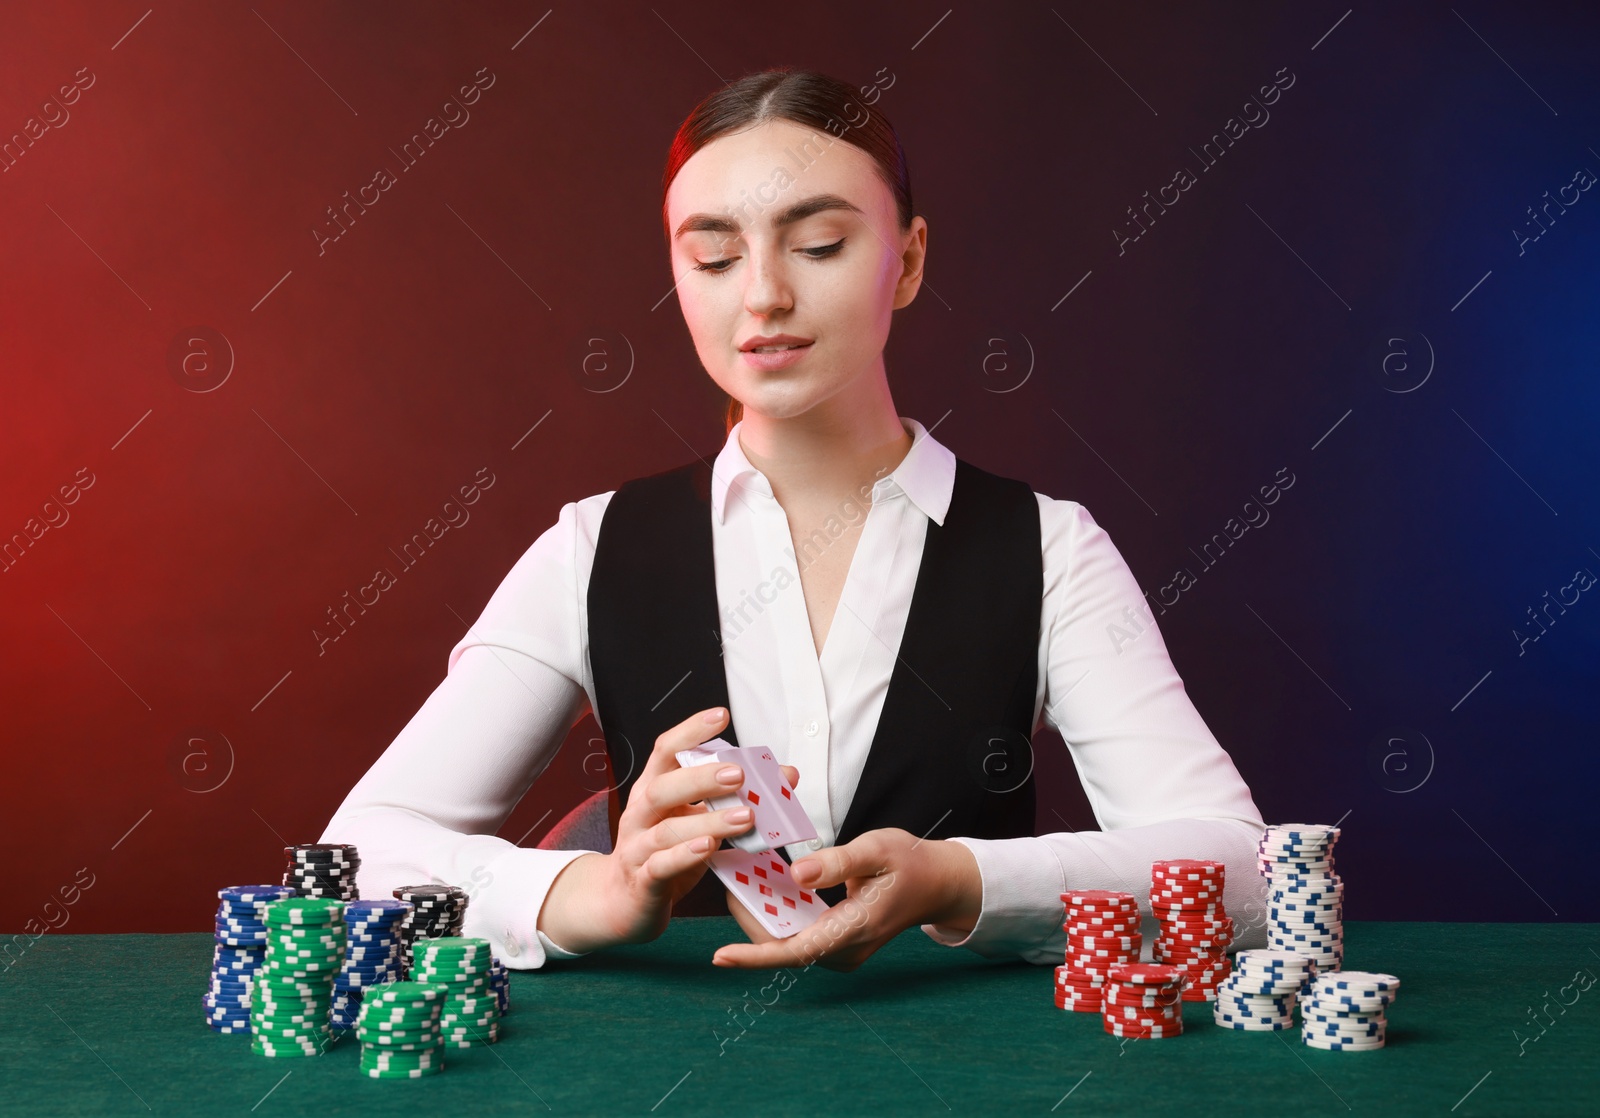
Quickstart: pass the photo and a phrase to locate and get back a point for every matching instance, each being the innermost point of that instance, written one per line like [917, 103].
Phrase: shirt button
[814, 844]
[513, 948]
[811, 728]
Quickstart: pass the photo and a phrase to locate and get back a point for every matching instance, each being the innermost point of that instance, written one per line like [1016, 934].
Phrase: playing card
[761, 882]
[779, 818]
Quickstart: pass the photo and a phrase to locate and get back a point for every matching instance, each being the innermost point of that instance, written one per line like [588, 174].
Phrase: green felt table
[112, 1024]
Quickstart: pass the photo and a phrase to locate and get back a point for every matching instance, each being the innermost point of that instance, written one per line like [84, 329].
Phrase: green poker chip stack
[294, 987]
[399, 1030]
[464, 966]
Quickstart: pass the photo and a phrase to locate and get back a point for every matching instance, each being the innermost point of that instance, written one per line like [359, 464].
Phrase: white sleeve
[1160, 784]
[428, 808]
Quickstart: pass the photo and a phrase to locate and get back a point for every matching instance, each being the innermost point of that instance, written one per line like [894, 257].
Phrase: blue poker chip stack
[1260, 994]
[1305, 897]
[1347, 1012]
[373, 955]
[500, 984]
[239, 950]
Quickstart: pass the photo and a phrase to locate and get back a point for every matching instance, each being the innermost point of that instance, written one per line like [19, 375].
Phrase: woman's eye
[715, 267]
[825, 250]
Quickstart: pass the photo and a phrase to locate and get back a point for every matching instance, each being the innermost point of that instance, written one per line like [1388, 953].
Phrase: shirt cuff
[554, 950]
[505, 904]
[1022, 885]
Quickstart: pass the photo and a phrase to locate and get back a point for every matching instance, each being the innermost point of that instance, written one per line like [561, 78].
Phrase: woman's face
[787, 230]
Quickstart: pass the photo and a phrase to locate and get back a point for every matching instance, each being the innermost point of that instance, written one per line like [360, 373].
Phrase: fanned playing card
[779, 818]
[762, 884]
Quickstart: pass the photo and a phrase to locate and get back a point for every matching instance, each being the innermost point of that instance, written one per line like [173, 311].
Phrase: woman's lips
[771, 362]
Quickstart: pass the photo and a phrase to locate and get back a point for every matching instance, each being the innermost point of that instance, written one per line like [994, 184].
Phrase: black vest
[952, 751]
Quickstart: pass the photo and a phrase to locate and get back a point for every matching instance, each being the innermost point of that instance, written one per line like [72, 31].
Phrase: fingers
[680, 858]
[680, 787]
[834, 865]
[681, 830]
[640, 810]
[842, 940]
[791, 774]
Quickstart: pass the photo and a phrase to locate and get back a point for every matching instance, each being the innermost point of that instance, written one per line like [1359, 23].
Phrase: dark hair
[806, 98]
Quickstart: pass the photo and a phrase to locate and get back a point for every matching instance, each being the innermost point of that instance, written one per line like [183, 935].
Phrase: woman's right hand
[665, 837]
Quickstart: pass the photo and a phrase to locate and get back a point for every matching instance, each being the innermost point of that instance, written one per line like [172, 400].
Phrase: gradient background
[1341, 295]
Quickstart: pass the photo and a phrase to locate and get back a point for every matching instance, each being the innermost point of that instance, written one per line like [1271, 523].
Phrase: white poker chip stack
[1260, 995]
[1305, 898]
[1345, 1012]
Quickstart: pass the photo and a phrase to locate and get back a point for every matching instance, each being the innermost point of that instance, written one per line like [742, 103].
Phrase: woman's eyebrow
[726, 223]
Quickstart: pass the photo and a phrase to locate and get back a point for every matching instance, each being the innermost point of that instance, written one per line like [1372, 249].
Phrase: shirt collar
[926, 475]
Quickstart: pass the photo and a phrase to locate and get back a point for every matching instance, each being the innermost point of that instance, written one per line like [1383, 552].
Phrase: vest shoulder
[692, 477]
[993, 483]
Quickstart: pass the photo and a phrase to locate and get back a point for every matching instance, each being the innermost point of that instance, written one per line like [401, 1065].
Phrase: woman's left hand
[894, 881]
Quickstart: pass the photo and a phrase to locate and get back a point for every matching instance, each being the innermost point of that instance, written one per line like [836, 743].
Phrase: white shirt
[1159, 783]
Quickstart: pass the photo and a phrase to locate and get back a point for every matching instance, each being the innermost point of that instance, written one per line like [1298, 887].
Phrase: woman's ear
[913, 258]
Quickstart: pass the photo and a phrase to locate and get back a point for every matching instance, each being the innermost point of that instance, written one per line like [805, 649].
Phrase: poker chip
[1194, 929]
[470, 1014]
[436, 911]
[400, 1030]
[500, 983]
[1102, 929]
[292, 995]
[372, 955]
[322, 870]
[1143, 1000]
[1305, 897]
[1347, 1011]
[237, 954]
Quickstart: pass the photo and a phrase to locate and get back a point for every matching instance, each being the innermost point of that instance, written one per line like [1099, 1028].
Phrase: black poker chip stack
[436, 910]
[325, 870]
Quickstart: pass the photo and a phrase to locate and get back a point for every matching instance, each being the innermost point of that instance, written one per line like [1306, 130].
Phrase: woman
[900, 660]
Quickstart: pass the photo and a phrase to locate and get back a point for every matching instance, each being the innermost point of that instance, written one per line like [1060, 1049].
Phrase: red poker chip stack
[1144, 1000]
[1102, 932]
[1195, 930]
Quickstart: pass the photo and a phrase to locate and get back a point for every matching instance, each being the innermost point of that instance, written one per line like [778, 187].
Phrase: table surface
[112, 1024]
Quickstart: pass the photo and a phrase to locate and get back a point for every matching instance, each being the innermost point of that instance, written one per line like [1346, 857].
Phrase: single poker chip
[1167, 997]
[1258, 1026]
[322, 850]
[1185, 892]
[1180, 949]
[1098, 917]
[411, 992]
[398, 1059]
[1369, 1033]
[1134, 1031]
[304, 910]
[1326, 881]
[375, 959]
[454, 946]
[1328, 1044]
[1101, 902]
[1195, 933]
[1256, 960]
[1359, 982]
[423, 893]
[1239, 1007]
[1111, 935]
[1146, 974]
[252, 894]
[1187, 866]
